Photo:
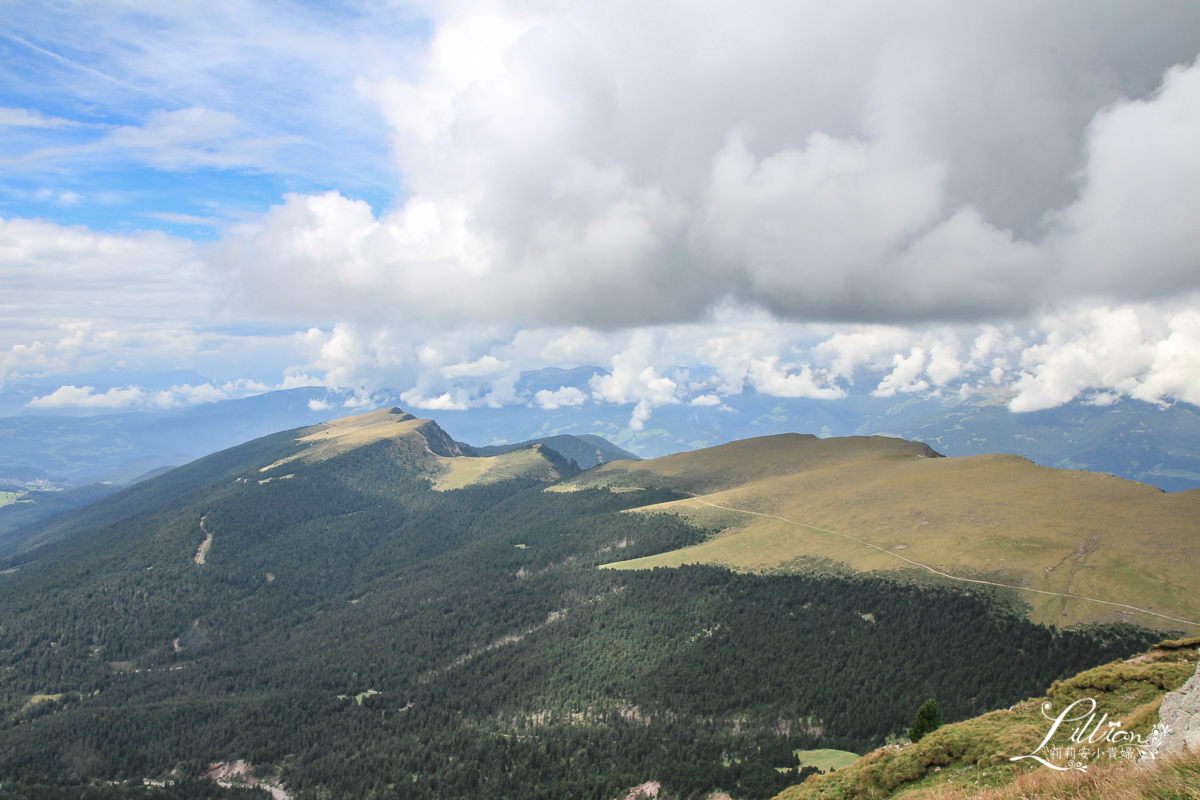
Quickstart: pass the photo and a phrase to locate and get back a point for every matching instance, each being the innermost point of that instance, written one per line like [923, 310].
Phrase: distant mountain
[1128, 438]
[1159, 445]
[119, 447]
[16, 395]
[587, 451]
[22, 475]
[876, 504]
[34, 506]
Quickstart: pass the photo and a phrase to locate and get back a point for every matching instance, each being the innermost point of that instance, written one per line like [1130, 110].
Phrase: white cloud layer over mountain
[701, 199]
[556, 177]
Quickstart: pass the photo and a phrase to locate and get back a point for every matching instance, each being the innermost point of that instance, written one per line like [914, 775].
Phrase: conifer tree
[927, 720]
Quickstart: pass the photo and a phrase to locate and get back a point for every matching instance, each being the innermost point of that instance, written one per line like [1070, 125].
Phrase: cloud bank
[799, 199]
[543, 190]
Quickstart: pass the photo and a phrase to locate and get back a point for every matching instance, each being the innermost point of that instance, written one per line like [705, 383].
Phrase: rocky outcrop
[1180, 714]
[439, 441]
[562, 465]
[649, 789]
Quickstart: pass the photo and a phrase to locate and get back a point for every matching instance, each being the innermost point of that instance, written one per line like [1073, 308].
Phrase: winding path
[945, 574]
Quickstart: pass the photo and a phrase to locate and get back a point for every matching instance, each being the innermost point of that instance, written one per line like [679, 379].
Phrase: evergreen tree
[927, 720]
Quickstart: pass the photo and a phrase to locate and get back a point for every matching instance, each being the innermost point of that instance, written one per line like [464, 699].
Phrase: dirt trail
[202, 553]
[237, 774]
[945, 574]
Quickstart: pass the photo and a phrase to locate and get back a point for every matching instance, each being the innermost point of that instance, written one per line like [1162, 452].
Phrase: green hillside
[587, 451]
[1073, 546]
[974, 756]
[426, 449]
[147, 494]
[324, 605]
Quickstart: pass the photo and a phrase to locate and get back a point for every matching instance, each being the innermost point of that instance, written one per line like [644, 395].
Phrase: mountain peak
[450, 464]
[338, 436]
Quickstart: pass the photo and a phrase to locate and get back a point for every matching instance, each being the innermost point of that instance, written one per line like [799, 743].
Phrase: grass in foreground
[966, 758]
[1176, 779]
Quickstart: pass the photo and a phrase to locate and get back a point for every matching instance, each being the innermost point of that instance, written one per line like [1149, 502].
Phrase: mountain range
[368, 608]
[1141, 441]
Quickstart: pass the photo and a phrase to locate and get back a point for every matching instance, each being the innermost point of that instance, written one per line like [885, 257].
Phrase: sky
[801, 199]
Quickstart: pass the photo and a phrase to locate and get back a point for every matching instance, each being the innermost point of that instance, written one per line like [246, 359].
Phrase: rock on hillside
[1180, 713]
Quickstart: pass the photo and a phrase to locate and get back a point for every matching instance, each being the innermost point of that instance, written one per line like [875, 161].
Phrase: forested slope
[368, 636]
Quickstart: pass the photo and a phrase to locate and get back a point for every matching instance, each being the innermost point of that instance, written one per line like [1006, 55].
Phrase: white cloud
[1175, 371]
[297, 380]
[86, 397]
[27, 359]
[62, 198]
[187, 219]
[24, 118]
[577, 346]
[1133, 229]
[347, 356]
[1142, 352]
[906, 375]
[944, 365]
[767, 377]
[183, 139]
[633, 379]
[803, 225]
[987, 340]
[579, 181]
[84, 297]
[1102, 400]
[244, 387]
[488, 365]
[444, 402]
[869, 346]
[203, 393]
[561, 397]
[550, 183]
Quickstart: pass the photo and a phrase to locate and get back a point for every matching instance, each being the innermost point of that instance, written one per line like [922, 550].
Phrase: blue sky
[794, 198]
[98, 149]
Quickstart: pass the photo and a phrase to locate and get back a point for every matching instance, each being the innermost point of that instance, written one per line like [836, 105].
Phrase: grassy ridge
[994, 517]
[530, 462]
